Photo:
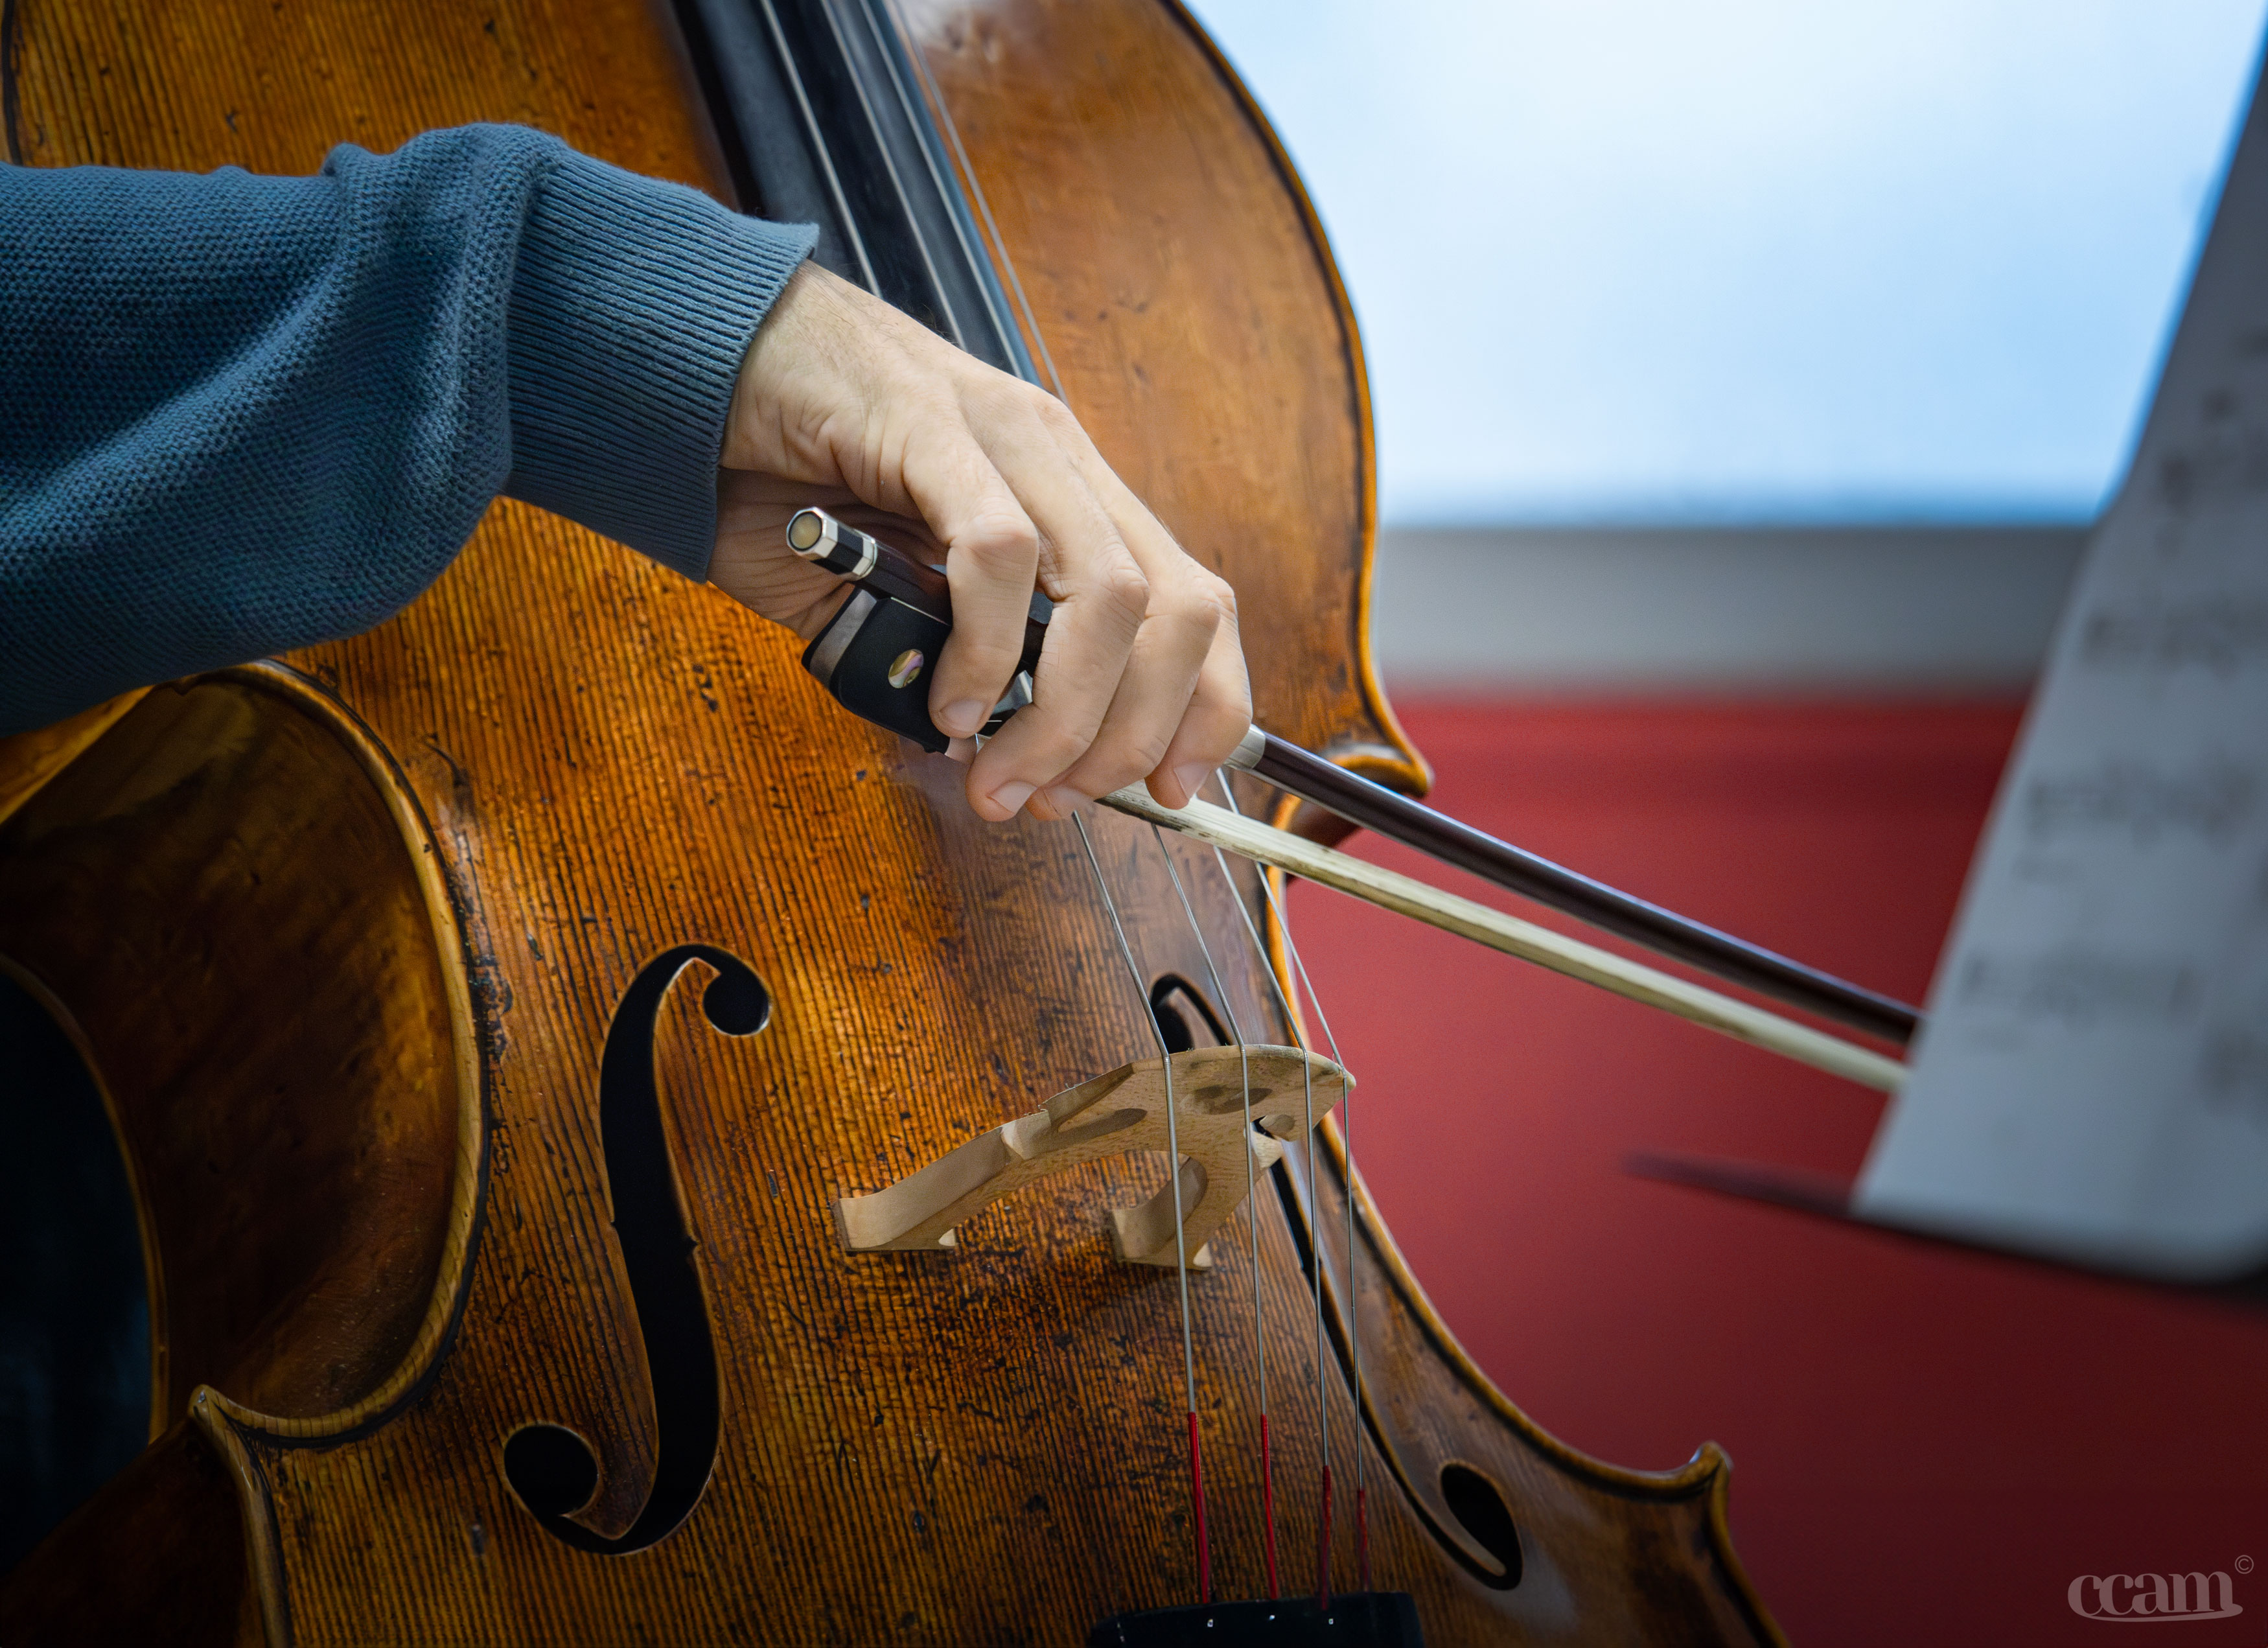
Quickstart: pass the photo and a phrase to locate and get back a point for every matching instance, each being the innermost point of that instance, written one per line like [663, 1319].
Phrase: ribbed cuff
[632, 305]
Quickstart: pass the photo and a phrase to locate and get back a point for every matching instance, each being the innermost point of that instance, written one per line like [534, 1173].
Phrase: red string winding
[1196, 1498]
[1361, 1537]
[1268, 1507]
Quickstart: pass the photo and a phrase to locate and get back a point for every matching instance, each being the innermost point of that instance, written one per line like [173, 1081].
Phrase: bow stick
[878, 646]
[1343, 872]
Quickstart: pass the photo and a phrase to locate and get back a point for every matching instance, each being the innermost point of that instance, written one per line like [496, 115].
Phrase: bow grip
[875, 655]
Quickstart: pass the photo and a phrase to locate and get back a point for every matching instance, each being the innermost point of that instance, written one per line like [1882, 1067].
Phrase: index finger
[991, 564]
[1101, 596]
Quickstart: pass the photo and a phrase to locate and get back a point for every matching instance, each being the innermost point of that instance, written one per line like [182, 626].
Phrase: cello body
[491, 1007]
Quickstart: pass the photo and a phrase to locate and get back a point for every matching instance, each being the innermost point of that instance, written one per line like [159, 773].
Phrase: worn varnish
[347, 939]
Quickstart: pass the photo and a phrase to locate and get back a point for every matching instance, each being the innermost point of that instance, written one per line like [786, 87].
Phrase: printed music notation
[2093, 1080]
[2077, 987]
[2142, 800]
[2221, 632]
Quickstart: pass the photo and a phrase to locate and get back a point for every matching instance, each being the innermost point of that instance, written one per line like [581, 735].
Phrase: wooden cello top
[630, 790]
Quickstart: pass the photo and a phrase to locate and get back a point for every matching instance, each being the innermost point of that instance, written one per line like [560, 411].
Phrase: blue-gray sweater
[240, 414]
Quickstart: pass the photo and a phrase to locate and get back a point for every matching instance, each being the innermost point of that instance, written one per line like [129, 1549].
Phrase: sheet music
[2093, 1083]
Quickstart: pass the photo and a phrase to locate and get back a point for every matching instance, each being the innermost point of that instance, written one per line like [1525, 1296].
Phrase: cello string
[1315, 1244]
[969, 255]
[1181, 1235]
[1353, 1304]
[1007, 266]
[1307, 1077]
[1244, 1060]
[812, 134]
[999, 245]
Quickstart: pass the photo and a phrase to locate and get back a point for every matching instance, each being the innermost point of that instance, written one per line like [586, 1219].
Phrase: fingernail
[961, 720]
[1065, 802]
[1011, 796]
[1192, 778]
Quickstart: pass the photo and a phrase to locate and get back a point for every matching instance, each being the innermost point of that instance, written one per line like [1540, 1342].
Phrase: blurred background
[1747, 375]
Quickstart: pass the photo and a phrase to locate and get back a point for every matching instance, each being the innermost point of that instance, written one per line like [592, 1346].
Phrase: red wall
[1929, 1444]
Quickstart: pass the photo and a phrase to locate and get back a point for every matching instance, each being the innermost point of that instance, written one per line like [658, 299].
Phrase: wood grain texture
[976, 1447]
[1183, 291]
[29, 760]
[277, 1042]
[156, 1558]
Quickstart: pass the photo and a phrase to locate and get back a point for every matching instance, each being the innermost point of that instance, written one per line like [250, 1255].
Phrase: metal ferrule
[845, 551]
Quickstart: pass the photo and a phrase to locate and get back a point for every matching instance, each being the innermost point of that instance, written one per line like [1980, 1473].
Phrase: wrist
[633, 305]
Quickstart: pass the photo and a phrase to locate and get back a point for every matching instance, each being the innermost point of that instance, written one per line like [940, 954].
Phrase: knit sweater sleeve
[242, 414]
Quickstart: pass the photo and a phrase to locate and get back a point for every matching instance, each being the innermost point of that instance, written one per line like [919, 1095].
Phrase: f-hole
[1478, 1505]
[551, 1468]
[1185, 1019]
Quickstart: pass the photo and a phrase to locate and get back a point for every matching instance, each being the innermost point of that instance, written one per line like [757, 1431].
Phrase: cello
[498, 1011]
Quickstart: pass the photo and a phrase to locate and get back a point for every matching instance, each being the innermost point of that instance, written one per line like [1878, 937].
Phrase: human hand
[846, 404]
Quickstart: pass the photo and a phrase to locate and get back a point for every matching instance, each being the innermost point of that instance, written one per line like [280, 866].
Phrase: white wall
[1829, 609]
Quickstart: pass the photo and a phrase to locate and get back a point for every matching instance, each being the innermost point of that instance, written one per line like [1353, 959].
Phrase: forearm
[240, 414]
